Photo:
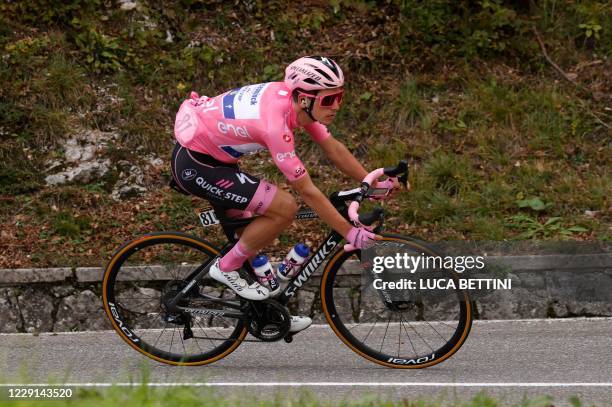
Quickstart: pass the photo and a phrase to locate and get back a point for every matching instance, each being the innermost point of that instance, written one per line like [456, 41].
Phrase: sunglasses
[327, 100]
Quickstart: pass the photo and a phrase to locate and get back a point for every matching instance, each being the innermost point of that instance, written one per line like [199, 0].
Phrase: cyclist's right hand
[360, 238]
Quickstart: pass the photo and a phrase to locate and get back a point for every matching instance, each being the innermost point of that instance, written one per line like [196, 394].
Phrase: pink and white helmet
[313, 73]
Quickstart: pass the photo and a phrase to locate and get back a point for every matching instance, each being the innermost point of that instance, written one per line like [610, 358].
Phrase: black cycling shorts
[220, 183]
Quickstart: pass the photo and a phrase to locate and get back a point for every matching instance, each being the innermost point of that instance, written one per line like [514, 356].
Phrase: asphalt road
[507, 359]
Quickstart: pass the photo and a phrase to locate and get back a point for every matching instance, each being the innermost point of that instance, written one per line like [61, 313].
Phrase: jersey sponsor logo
[238, 131]
[299, 172]
[243, 103]
[219, 192]
[282, 156]
[244, 179]
[188, 174]
[239, 150]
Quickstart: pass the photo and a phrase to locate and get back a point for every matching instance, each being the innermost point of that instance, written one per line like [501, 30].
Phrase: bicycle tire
[346, 325]
[117, 277]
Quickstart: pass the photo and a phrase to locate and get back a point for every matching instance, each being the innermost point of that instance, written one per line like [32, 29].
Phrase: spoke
[399, 337]
[419, 335]
[436, 331]
[174, 273]
[204, 330]
[410, 340]
[217, 332]
[364, 321]
[147, 270]
[386, 329]
[454, 328]
[198, 344]
[172, 340]
[160, 335]
[370, 331]
[183, 343]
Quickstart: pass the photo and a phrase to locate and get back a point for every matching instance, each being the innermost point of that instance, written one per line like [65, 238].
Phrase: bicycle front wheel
[147, 271]
[402, 329]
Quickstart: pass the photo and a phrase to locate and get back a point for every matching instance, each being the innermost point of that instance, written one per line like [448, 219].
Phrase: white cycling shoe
[238, 284]
[299, 323]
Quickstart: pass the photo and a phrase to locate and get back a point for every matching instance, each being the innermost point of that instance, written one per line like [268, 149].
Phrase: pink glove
[389, 183]
[359, 238]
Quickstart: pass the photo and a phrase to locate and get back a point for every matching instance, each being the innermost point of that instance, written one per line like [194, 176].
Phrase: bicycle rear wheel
[145, 271]
[413, 328]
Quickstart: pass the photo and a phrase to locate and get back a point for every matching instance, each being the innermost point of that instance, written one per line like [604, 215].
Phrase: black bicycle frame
[298, 281]
[325, 250]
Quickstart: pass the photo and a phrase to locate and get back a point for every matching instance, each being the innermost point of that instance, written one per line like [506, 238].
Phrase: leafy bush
[54, 12]
[465, 28]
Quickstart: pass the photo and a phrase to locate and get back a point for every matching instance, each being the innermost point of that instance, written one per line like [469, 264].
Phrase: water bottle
[296, 257]
[265, 274]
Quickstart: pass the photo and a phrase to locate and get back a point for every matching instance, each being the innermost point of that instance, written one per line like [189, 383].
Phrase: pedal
[288, 338]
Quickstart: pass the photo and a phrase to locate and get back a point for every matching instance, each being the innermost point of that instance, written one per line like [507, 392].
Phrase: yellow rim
[125, 338]
[330, 264]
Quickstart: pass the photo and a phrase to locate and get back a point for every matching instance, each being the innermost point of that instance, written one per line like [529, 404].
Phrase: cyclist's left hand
[392, 184]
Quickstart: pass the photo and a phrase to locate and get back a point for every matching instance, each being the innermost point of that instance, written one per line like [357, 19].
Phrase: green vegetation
[142, 395]
[501, 145]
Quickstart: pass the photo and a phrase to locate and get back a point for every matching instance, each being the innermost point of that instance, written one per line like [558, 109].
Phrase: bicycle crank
[268, 320]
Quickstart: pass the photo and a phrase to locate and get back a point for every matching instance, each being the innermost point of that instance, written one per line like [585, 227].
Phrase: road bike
[160, 300]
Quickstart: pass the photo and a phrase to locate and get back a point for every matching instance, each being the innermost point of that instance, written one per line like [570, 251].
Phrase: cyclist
[214, 133]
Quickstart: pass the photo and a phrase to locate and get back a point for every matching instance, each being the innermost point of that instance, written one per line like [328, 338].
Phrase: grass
[143, 395]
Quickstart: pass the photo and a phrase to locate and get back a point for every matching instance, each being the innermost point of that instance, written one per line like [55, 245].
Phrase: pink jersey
[243, 121]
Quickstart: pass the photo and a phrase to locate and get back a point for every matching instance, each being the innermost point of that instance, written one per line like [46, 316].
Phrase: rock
[36, 308]
[155, 161]
[62, 291]
[84, 173]
[80, 155]
[75, 153]
[10, 321]
[53, 165]
[131, 186]
[56, 179]
[81, 312]
[127, 5]
[124, 192]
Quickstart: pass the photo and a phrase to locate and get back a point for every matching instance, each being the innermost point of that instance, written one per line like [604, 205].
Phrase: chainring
[268, 320]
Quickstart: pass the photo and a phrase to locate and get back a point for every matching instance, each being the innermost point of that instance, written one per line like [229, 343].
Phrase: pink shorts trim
[238, 214]
[263, 198]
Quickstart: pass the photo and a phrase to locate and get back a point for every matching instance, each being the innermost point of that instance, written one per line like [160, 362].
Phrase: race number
[208, 218]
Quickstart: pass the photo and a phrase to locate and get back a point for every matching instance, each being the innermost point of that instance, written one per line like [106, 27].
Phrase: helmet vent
[322, 72]
[311, 81]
